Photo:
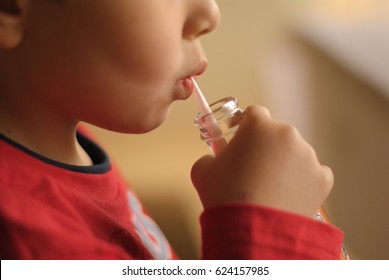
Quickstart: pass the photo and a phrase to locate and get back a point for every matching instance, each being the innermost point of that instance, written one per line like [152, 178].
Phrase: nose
[203, 17]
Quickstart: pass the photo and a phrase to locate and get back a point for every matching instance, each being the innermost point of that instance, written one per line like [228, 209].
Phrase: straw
[204, 110]
[201, 102]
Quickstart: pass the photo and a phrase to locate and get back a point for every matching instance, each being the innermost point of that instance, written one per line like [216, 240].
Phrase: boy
[120, 65]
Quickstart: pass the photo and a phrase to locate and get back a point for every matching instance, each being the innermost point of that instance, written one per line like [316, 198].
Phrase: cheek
[148, 48]
[124, 105]
[151, 60]
[118, 78]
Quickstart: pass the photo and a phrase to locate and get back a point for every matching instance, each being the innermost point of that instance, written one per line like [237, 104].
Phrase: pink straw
[213, 127]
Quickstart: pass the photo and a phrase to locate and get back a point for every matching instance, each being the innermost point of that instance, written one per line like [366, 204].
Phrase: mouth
[185, 84]
[184, 88]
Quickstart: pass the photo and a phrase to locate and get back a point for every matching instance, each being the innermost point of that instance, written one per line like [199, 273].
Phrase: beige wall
[351, 134]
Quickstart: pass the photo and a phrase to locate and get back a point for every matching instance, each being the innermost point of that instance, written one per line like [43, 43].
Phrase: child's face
[118, 64]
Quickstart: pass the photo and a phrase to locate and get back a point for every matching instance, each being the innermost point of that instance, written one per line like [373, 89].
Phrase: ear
[13, 15]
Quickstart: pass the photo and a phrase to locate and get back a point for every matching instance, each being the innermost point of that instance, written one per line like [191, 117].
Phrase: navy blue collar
[101, 163]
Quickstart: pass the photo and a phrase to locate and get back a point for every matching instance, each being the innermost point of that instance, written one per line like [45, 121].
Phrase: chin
[131, 127]
[132, 122]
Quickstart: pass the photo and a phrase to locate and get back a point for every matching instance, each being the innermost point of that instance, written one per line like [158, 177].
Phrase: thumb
[199, 170]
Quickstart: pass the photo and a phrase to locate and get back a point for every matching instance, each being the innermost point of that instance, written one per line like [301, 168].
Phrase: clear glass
[218, 128]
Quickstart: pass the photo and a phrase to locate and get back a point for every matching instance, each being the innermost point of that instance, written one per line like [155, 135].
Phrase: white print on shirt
[148, 231]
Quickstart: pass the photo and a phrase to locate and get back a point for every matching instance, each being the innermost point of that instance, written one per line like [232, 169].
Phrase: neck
[31, 119]
[44, 133]
[61, 147]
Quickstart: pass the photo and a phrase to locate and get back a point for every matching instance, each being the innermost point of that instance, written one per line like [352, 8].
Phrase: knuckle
[327, 178]
[199, 168]
[290, 133]
[311, 153]
[257, 112]
[254, 119]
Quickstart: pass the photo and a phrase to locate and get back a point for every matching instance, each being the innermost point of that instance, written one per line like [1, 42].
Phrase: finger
[328, 178]
[199, 169]
[258, 111]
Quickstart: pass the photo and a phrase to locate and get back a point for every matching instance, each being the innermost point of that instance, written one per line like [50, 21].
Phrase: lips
[201, 69]
[184, 89]
[186, 84]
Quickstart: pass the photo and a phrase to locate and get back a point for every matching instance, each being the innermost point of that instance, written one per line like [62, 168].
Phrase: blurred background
[320, 65]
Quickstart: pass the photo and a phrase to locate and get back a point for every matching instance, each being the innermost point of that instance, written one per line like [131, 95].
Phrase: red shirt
[50, 210]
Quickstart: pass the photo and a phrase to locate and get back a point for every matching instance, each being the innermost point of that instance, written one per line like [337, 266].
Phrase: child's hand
[267, 163]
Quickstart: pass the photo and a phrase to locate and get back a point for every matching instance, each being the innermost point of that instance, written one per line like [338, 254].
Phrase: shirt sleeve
[245, 231]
